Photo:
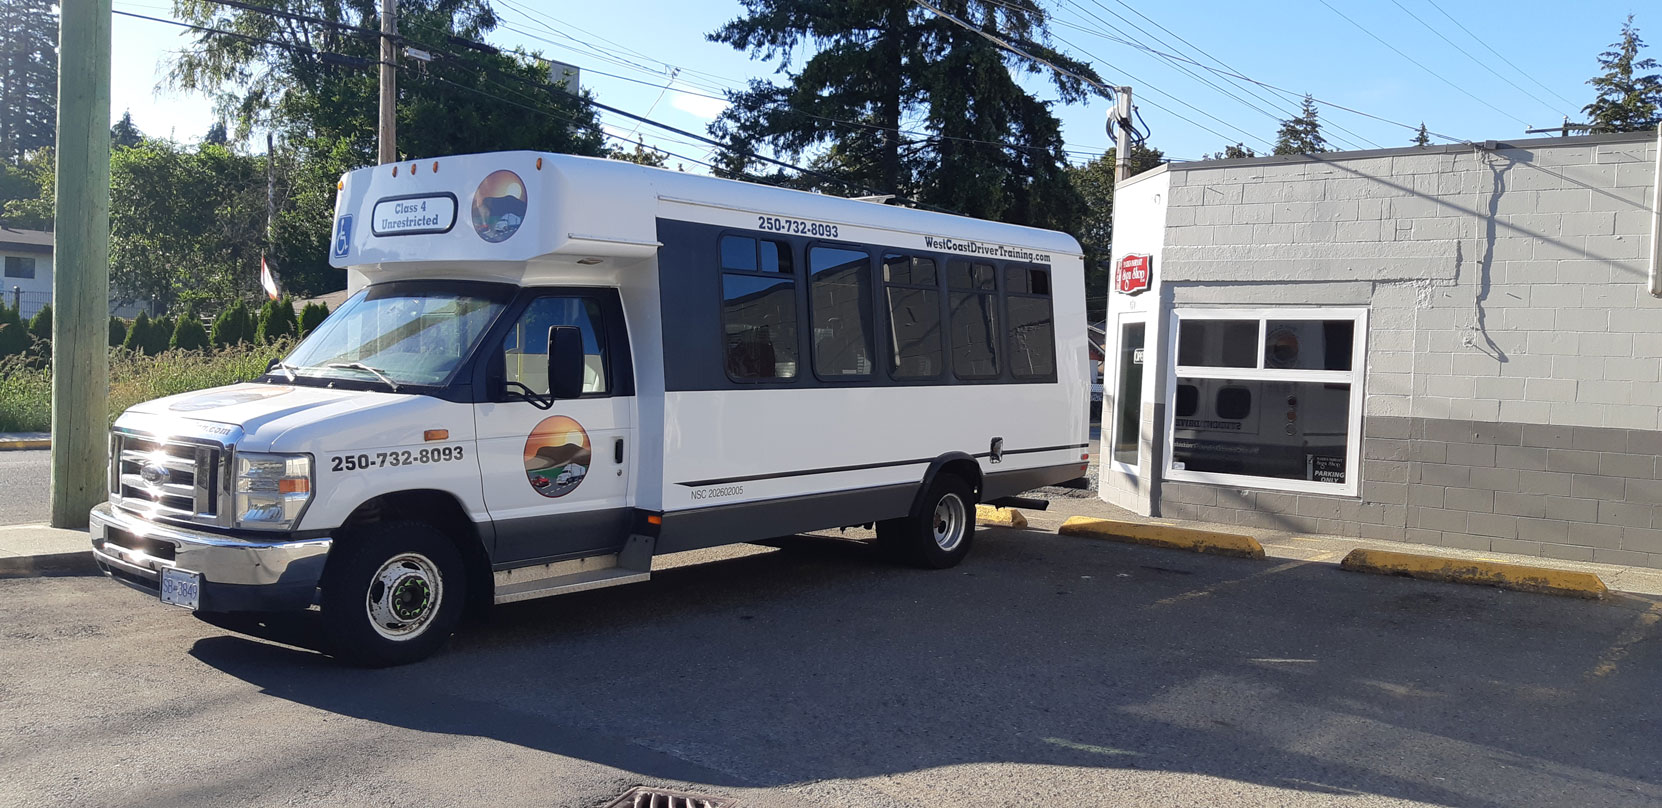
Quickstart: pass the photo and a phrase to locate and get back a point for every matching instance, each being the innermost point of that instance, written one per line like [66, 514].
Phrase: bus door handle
[617, 451]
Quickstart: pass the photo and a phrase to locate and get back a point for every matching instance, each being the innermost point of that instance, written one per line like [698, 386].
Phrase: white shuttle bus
[553, 368]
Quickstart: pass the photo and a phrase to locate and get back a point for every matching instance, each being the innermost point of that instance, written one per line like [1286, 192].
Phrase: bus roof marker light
[395, 171]
[539, 163]
[435, 166]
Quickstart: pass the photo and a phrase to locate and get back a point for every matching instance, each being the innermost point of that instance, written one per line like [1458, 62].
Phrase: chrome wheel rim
[949, 523]
[404, 596]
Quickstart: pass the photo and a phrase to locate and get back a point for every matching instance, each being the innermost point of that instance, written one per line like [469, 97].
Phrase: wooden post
[388, 131]
[81, 265]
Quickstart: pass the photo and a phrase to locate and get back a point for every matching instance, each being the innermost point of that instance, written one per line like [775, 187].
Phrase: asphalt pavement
[25, 479]
[1044, 670]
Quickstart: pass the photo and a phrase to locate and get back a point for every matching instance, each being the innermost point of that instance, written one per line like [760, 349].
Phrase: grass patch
[26, 388]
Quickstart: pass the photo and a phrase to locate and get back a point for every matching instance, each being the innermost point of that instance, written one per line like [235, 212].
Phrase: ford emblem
[153, 474]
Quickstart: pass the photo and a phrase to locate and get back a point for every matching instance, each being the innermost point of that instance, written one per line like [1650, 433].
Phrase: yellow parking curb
[1468, 571]
[1160, 535]
[989, 516]
[33, 443]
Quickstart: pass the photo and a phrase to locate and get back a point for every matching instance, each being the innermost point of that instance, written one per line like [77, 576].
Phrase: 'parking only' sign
[1133, 274]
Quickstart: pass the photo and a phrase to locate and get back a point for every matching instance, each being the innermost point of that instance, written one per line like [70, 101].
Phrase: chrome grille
[165, 478]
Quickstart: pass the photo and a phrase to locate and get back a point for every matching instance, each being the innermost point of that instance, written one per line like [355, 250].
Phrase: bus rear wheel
[392, 594]
[939, 533]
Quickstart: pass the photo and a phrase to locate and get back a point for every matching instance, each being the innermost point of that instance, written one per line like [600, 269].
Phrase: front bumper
[238, 574]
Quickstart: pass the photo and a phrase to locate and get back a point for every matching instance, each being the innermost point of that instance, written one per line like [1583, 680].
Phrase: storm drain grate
[644, 797]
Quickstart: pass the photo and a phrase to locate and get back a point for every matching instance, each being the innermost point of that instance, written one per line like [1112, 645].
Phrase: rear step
[632, 566]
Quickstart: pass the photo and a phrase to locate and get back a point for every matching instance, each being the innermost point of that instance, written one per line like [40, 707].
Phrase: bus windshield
[396, 335]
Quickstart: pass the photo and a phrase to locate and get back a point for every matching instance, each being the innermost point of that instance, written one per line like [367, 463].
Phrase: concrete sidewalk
[1331, 549]
[25, 440]
[36, 549]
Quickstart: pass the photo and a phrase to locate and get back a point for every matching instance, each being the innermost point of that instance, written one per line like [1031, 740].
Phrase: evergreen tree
[224, 331]
[118, 332]
[40, 327]
[1235, 152]
[138, 334]
[28, 77]
[984, 146]
[123, 134]
[14, 339]
[188, 334]
[311, 317]
[217, 136]
[276, 322]
[1303, 134]
[159, 335]
[9, 315]
[1626, 102]
[640, 154]
[1422, 138]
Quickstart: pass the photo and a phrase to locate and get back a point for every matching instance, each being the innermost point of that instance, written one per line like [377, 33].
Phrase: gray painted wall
[1513, 398]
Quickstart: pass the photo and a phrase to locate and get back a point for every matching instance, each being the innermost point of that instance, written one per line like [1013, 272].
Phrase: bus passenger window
[1234, 403]
[1188, 400]
[840, 303]
[1032, 336]
[914, 317]
[758, 318]
[974, 318]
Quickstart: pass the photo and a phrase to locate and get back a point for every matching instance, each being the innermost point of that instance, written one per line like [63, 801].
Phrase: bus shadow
[824, 664]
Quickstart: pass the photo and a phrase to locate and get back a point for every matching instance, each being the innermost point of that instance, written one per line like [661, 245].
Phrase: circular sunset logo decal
[228, 398]
[499, 206]
[557, 456]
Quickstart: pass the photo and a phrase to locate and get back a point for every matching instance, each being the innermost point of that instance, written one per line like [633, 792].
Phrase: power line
[1140, 82]
[1468, 55]
[1417, 63]
[1245, 85]
[1498, 55]
[1177, 64]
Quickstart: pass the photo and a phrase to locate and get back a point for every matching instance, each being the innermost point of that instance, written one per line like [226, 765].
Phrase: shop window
[1128, 393]
[1268, 399]
[841, 307]
[1218, 343]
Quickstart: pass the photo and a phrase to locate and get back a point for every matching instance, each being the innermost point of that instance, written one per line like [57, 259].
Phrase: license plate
[181, 588]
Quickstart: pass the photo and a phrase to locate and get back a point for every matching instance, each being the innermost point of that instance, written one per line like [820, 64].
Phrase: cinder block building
[1456, 345]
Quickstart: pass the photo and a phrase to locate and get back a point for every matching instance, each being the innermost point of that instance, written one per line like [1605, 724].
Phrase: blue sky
[1306, 46]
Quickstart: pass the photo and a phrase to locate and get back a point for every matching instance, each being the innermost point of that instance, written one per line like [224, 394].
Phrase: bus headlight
[271, 490]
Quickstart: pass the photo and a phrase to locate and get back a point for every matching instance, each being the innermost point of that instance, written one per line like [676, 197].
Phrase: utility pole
[81, 265]
[1121, 126]
[389, 83]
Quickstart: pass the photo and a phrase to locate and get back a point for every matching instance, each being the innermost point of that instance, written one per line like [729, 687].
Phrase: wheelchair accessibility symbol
[343, 236]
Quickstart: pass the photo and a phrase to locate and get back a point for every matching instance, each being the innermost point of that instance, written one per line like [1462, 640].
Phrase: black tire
[392, 594]
[939, 533]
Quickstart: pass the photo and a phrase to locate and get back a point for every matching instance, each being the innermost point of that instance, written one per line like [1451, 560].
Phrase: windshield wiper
[288, 369]
[366, 368]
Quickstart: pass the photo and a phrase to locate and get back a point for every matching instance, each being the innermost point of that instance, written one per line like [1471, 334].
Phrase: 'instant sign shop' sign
[1133, 274]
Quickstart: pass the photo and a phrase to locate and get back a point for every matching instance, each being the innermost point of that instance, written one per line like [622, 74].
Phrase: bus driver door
[555, 470]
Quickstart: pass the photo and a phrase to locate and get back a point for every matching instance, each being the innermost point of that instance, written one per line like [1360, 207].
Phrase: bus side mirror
[565, 362]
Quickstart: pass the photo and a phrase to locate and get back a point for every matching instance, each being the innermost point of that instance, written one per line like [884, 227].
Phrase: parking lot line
[1626, 640]
[1207, 590]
